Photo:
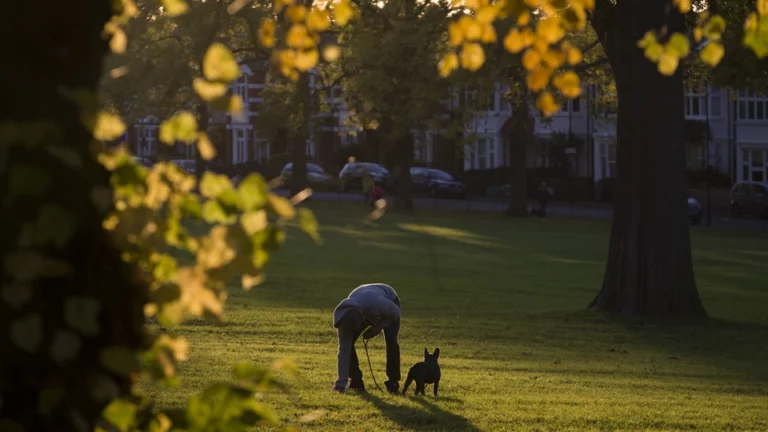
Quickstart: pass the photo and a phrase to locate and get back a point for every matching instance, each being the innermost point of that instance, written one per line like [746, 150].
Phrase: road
[595, 211]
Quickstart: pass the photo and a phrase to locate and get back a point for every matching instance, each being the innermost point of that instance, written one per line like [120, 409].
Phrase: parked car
[317, 178]
[437, 183]
[187, 165]
[351, 175]
[144, 161]
[749, 198]
[694, 211]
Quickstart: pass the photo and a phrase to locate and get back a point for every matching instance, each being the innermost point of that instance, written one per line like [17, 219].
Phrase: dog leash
[365, 345]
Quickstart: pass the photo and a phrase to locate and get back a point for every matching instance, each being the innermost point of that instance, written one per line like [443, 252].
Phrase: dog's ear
[426, 353]
[436, 353]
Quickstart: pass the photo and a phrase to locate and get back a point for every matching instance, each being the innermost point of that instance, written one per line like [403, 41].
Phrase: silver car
[749, 198]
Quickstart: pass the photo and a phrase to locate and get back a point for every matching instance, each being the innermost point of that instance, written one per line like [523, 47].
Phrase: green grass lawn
[505, 301]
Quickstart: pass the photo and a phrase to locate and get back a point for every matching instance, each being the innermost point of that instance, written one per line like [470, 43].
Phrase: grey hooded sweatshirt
[378, 303]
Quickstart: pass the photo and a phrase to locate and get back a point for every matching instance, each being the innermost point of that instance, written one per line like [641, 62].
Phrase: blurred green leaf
[27, 333]
[119, 360]
[214, 213]
[254, 191]
[165, 268]
[181, 127]
[82, 314]
[28, 180]
[190, 206]
[309, 224]
[121, 414]
[281, 206]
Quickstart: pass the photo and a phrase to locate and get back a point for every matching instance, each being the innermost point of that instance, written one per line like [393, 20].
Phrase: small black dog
[426, 372]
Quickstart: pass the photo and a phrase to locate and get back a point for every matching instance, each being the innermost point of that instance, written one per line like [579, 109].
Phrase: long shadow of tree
[432, 417]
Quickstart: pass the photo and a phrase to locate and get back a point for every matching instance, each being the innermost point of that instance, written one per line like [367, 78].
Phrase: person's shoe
[341, 390]
[392, 386]
[357, 386]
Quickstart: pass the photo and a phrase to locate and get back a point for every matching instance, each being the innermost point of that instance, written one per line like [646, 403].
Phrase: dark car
[317, 178]
[351, 175]
[694, 211]
[749, 198]
[437, 183]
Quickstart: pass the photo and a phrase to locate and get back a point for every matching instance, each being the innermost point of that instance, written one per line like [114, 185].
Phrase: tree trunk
[63, 49]
[649, 270]
[520, 136]
[404, 156]
[203, 126]
[299, 156]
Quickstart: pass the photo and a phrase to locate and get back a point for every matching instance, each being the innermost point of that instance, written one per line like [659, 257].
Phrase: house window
[752, 106]
[573, 106]
[608, 158]
[241, 88]
[239, 146]
[485, 153]
[147, 140]
[754, 165]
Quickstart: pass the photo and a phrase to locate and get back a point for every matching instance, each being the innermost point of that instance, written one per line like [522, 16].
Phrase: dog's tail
[408, 380]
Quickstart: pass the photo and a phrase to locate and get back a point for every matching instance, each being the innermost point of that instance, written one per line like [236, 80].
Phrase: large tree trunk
[299, 149]
[63, 48]
[520, 136]
[649, 270]
[404, 157]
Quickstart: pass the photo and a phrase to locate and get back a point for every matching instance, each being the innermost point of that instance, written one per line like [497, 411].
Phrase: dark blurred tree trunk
[299, 148]
[650, 269]
[521, 134]
[404, 161]
[62, 47]
[203, 121]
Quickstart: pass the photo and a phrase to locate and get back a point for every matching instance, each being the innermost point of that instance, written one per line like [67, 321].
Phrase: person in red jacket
[377, 194]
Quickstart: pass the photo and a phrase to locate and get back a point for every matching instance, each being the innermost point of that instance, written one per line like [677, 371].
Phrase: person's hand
[370, 333]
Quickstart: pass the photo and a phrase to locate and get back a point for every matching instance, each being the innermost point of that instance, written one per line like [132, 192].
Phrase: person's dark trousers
[393, 357]
[355, 374]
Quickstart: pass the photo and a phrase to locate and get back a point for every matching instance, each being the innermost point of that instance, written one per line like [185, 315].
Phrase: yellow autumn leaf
[486, 14]
[119, 41]
[762, 7]
[554, 58]
[489, 34]
[698, 34]
[524, 18]
[281, 206]
[550, 30]
[574, 56]
[472, 56]
[541, 45]
[343, 12]
[546, 104]
[712, 53]
[207, 90]
[298, 37]
[574, 18]
[455, 34]
[653, 52]
[296, 14]
[513, 42]
[306, 59]
[331, 53]
[648, 39]
[668, 63]
[267, 33]
[715, 27]
[471, 29]
[531, 59]
[684, 6]
[205, 147]
[219, 64]
[539, 78]
[448, 64]
[318, 20]
[678, 44]
[235, 107]
[175, 7]
[568, 84]
[528, 36]
[533, 4]
[107, 127]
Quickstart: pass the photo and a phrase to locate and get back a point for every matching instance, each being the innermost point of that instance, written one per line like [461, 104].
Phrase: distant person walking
[368, 186]
[543, 194]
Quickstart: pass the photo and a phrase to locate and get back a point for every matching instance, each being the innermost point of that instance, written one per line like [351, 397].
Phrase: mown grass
[505, 301]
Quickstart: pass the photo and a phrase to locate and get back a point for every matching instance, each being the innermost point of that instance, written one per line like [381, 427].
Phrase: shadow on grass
[432, 417]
